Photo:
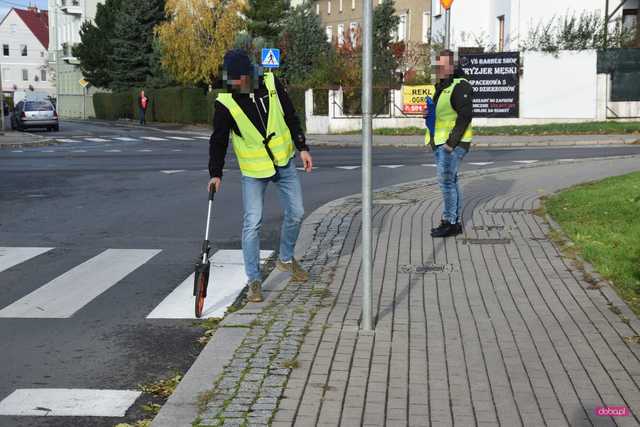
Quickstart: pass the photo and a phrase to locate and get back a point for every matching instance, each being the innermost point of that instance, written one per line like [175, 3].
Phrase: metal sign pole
[367, 83]
[447, 40]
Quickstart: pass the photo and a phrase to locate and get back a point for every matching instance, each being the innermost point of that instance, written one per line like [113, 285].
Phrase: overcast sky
[6, 5]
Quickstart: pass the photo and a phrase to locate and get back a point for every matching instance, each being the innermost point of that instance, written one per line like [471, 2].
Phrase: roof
[38, 23]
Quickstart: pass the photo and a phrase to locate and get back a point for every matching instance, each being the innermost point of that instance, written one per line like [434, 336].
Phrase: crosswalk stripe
[60, 402]
[124, 138]
[153, 138]
[203, 137]
[431, 165]
[481, 163]
[67, 140]
[79, 151]
[171, 172]
[180, 138]
[113, 151]
[567, 160]
[145, 151]
[176, 150]
[68, 293]
[14, 256]
[96, 140]
[391, 166]
[525, 162]
[226, 281]
[349, 168]
[17, 151]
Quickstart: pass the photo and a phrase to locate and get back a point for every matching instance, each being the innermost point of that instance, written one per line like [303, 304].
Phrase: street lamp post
[367, 193]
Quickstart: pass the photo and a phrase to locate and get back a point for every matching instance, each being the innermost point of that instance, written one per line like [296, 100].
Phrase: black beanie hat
[237, 63]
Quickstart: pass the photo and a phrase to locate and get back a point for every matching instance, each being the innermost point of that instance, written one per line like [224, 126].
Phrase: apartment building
[25, 43]
[343, 18]
[65, 20]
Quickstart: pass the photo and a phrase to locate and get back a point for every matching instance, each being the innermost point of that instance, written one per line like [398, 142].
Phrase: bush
[352, 102]
[320, 102]
[296, 94]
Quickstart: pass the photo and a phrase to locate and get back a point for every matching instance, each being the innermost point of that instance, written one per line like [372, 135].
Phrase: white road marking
[79, 151]
[349, 168]
[96, 139]
[171, 172]
[113, 151]
[391, 166]
[48, 151]
[124, 138]
[145, 151]
[60, 402]
[176, 150]
[481, 163]
[567, 160]
[180, 138]
[203, 137]
[432, 165]
[14, 256]
[525, 162]
[153, 138]
[17, 151]
[68, 293]
[67, 140]
[226, 281]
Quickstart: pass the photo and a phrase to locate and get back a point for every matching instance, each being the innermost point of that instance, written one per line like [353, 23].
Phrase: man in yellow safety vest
[451, 139]
[258, 116]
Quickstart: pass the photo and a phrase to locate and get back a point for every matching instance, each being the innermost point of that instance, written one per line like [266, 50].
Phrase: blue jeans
[448, 165]
[143, 112]
[290, 192]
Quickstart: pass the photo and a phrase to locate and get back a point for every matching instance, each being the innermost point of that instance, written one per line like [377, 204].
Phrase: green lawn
[603, 221]
[589, 128]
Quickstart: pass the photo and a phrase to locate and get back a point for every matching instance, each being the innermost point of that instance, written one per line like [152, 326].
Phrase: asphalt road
[95, 192]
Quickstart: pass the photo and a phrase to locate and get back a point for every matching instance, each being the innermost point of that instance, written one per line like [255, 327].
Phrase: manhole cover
[391, 201]
[486, 241]
[425, 268]
[488, 227]
[506, 210]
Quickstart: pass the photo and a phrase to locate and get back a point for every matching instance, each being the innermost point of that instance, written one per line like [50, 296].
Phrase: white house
[24, 42]
[504, 23]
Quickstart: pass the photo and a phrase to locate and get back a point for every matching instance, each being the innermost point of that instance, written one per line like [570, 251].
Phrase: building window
[25, 75]
[340, 34]
[317, 8]
[501, 33]
[401, 35]
[630, 19]
[340, 6]
[5, 49]
[426, 26]
[43, 75]
[353, 34]
[328, 7]
[329, 31]
[42, 54]
[353, 4]
[23, 49]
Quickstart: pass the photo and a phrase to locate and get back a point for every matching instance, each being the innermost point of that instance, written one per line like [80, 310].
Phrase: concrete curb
[591, 144]
[182, 409]
[40, 142]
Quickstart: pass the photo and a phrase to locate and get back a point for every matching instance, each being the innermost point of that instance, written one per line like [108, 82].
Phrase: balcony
[71, 7]
[67, 54]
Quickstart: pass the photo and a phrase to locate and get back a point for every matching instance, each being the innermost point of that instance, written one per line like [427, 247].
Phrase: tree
[196, 38]
[385, 24]
[303, 43]
[265, 18]
[96, 47]
[133, 43]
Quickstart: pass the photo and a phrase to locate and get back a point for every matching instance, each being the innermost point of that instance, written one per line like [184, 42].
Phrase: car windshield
[38, 106]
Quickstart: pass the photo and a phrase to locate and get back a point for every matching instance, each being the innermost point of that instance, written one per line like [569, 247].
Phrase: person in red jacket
[143, 103]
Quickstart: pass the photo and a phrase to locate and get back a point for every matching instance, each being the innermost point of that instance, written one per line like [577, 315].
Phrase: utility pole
[367, 141]
[2, 101]
[57, 57]
[606, 24]
[447, 37]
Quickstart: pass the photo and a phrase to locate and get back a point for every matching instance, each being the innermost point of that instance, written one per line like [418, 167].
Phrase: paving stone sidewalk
[492, 328]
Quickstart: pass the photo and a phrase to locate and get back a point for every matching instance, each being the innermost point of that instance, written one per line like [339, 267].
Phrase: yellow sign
[414, 98]
[446, 4]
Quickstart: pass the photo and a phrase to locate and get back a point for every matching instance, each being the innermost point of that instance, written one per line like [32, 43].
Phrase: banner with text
[495, 82]
[414, 98]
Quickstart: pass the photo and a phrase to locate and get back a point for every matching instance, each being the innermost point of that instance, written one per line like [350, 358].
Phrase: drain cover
[486, 241]
[488, 227]
[425, 268]
[506, 210]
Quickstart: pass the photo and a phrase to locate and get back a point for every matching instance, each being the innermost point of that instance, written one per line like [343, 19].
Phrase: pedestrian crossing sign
[270, 58]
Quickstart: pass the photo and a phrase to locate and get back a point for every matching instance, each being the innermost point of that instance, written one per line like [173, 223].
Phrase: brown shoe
[255, 291]
[298, 274]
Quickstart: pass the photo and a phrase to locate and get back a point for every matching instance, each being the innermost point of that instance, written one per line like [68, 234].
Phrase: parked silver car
[35, 114]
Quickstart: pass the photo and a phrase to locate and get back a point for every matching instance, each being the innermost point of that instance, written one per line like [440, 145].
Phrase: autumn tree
[385, 24]
[196, 38]
[265, 18]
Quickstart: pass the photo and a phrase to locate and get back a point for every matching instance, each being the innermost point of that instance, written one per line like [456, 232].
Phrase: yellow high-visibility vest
[446, 118]
[252, 155]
